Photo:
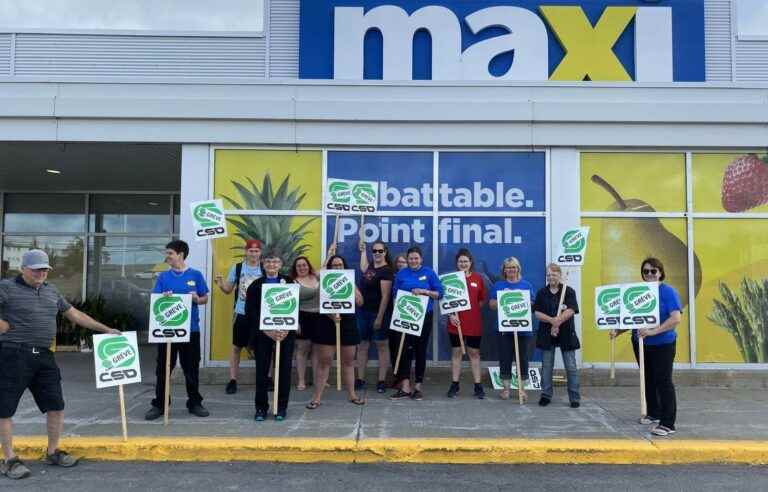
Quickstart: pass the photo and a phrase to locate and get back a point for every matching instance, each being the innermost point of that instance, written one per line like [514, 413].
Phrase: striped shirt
[30, 312]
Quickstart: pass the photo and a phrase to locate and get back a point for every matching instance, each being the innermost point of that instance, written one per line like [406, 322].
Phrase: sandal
[504, 394]
[313, 405]
[357, 401]
[301, 387]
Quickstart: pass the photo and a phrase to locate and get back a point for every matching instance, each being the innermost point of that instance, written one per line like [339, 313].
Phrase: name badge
[473, 284]
[191, 283]
[423, 277]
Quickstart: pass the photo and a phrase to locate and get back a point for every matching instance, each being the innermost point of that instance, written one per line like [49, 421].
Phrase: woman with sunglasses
[471, 323]
[324, 344]
[512, 279]
[659, 347]
[303, 274]
[376, 287]
[421, 281]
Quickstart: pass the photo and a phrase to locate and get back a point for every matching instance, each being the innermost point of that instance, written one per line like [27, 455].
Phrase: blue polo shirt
[669, 301]
[423, 278]
[521, 284]
[186, 282]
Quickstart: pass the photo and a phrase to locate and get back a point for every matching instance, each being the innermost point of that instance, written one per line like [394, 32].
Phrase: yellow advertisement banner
[645, 182]
[734, 183]
[615, 250]
[263, 180]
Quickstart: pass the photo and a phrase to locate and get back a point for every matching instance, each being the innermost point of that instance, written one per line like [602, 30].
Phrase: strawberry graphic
[745, 184]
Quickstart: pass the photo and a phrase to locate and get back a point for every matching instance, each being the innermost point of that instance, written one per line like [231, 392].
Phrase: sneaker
[231, 388]
[260, 416]
[453, 390]
[661, 430]
[381, 387]
[575, 404]
[359, 384]
[60, 458]
[280, 416]
[14, 468]
[399, 395]
[199, 410]
[153, 413]
[544, 401]
[270, 384]
[479, 391]
[644, 420]
[417, 395]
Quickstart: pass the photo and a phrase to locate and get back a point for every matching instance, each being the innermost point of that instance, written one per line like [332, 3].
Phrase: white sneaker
[661, 430]
[647, 420]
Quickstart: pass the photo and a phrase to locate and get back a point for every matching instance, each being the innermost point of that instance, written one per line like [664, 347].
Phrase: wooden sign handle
[641, 356]
[399, 352]
[122, 412]
[613, 358]
[276, 377]
[337, 320]
[167, 402]
[461, 336]
[520, 383]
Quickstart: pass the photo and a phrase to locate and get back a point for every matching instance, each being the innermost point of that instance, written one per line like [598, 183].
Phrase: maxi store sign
[525, 40]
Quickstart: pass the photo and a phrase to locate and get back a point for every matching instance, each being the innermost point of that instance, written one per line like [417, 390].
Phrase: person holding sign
[376, 288]
[471, 323]
[556, 329]
[263, 343]
[239, 278]
[421, 281]
[28, 309]
[304, 274]
[180, 279]
[324, 346]
[512, 275]
[659, 346]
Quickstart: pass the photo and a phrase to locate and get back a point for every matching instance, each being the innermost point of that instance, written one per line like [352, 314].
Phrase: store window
[751, 19]
[134, 214]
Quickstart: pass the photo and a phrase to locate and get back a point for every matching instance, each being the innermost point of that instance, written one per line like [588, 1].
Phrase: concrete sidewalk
[714, 425]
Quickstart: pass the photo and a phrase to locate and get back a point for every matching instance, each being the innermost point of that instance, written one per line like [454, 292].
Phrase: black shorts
[471, 342]
[241, 332]
[324, 330]
[22, 368]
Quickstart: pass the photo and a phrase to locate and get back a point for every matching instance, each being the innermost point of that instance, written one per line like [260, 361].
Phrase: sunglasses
[378, 251]
[650, 271]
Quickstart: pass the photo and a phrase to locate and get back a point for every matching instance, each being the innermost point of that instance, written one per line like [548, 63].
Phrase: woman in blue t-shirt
[659, 345]
[512, 279]
[421, 281]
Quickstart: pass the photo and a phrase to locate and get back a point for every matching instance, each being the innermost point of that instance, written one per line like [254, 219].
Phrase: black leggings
[415, 347]
[659, 390]
[507, 354]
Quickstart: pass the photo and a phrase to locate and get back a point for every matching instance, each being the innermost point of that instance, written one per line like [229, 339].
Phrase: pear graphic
[625, 242]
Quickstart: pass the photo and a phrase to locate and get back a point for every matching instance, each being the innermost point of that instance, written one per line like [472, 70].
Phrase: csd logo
[210, 231]
[406, 325]
[515, 323]
[118, 375]
[279, 321]
[169, 333]
[453, 304]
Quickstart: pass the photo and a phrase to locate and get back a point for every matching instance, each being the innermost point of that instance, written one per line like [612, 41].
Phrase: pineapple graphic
[277, 233]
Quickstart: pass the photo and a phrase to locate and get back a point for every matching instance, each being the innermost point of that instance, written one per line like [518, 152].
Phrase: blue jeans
[571, 372]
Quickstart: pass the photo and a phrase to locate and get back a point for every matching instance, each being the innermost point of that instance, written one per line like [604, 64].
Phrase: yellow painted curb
[445, 450]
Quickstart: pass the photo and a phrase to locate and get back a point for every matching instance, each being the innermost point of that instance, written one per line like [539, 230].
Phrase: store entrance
[102, 212]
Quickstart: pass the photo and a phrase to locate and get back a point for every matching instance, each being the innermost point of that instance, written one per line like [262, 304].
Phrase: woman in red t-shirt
[471, 322]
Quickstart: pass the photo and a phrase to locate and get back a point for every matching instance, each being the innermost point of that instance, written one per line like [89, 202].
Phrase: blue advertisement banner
[485, 50]
[469, 181]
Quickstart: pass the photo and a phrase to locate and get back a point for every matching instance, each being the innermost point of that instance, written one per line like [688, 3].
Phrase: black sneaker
[260, 416]
[231, 388]
[544, 401]
[153, 413]
[199, 410]
[14, 468]
[417, 395]
[575, 404]
[359, 384]
[453, 390]
[61, 458]
[381, 387]
[399, 395]
[479, 391]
